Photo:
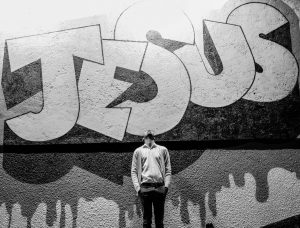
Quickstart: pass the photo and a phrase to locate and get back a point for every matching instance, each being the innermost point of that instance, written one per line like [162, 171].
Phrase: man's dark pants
[153, 194]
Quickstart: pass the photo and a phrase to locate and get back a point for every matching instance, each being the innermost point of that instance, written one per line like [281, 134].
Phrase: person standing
[151, 177]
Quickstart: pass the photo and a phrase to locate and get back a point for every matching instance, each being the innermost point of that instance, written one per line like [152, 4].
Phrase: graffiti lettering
[98, 88]
[59, 84]
[148, 76]
[237, 61]
[167, 108]
[279, 71]
[231, 75]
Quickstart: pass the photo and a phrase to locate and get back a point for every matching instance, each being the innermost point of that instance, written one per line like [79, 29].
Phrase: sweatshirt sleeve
[134, 171]
[168, 171]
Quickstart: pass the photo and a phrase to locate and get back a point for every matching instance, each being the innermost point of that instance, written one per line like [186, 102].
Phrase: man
[151, 177]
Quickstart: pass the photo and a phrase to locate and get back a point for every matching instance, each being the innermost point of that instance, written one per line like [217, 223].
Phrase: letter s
[278, 71]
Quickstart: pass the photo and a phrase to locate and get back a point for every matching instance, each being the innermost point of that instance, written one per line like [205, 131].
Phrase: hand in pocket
[161, 190]
[166, 190]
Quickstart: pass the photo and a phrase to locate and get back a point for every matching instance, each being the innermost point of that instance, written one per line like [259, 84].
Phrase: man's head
[148, 137]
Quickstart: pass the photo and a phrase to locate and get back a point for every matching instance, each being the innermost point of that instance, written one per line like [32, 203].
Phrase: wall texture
[196, 79]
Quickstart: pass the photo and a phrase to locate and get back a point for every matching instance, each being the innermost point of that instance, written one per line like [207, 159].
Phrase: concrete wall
[198, 77]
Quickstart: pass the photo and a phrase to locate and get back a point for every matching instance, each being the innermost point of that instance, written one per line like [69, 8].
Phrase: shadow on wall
[42, 171]
[208, 174]
[292, 222]
[213, 169]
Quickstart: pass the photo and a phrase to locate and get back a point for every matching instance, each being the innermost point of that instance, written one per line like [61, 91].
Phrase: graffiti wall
[194, 75]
